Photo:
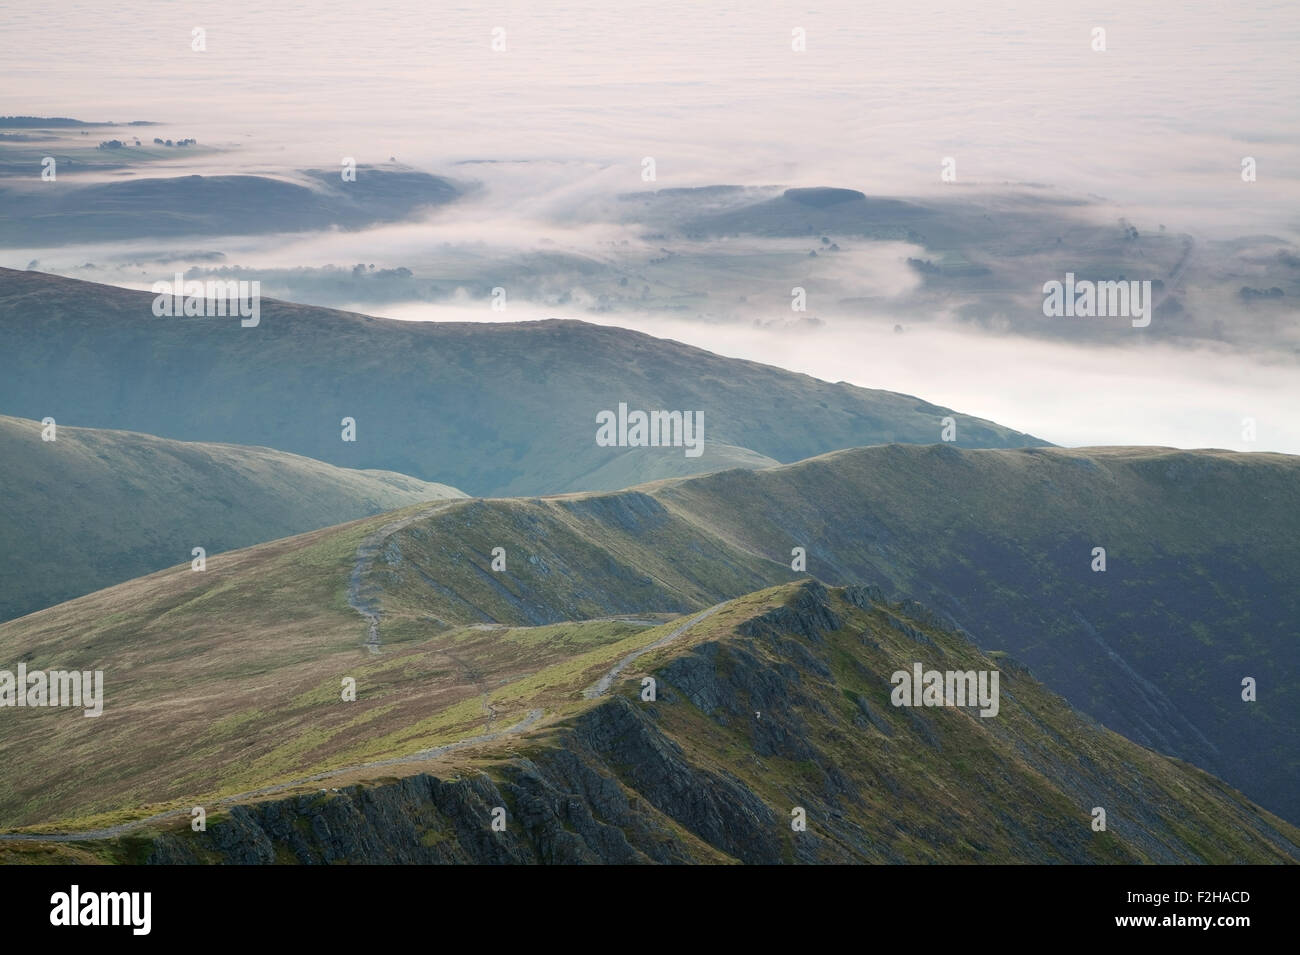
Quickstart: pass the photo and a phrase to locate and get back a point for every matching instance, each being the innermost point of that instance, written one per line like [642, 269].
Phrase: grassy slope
[932, 785]
[94, 508]
[792, 714]
[489, 408]
[1198, 591]
[220, 681]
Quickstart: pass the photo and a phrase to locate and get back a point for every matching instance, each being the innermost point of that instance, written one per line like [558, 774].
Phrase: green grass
[1014, 788]
[229, 680]
[108, 506]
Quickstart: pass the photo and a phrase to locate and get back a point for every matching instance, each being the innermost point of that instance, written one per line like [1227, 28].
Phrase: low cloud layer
[1153, 130]
[1070, 395]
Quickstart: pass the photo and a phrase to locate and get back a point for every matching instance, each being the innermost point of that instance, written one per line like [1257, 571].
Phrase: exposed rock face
[568, 807]
[705, 772]
[635, 782]
[618, 790]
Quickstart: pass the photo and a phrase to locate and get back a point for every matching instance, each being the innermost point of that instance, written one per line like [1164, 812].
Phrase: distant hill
[93, 508]
[29, 122]
[817, 211]
[214, 205]
[492, 408]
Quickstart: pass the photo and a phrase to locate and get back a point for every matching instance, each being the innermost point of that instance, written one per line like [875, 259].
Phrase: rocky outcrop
[787, 716]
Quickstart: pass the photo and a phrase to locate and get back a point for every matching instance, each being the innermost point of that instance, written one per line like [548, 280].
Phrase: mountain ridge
[478, 406]
[770, 739]
[1145, 647]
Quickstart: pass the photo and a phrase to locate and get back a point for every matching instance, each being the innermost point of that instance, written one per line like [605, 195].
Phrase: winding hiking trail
[112, 832]
[601, 686]
[365, 553]
[368, 604]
